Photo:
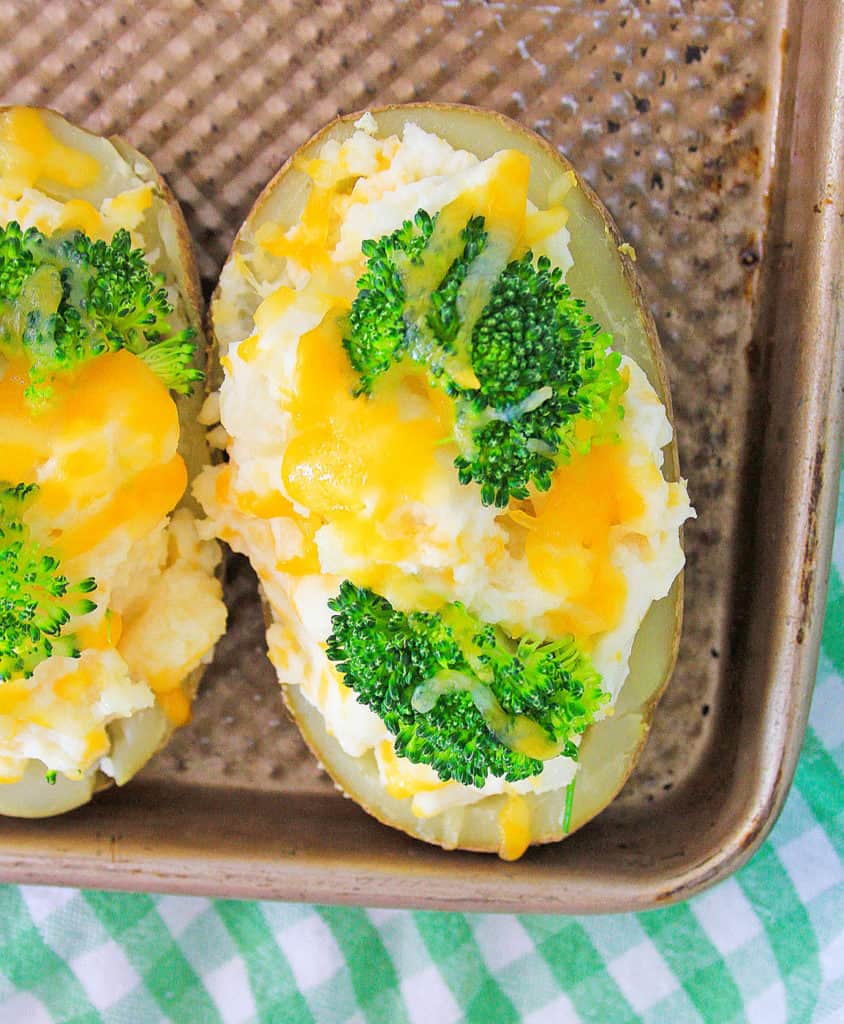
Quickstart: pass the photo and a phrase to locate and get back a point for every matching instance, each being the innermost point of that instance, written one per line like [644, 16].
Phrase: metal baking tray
[713, 131]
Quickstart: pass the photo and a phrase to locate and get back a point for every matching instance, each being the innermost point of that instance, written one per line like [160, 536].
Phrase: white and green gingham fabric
[765, 946]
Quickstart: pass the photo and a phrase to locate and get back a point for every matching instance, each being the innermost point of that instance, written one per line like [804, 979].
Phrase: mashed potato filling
[104, 452]
[321, 486]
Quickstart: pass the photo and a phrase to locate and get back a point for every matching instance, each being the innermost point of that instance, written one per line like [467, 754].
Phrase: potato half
[136, 739]
[603, 275]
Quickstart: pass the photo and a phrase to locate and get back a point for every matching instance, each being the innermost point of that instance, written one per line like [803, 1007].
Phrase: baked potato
[109, 599]
[461, 495]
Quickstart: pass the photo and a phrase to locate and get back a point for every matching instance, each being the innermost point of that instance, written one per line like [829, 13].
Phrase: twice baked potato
[460, 493]
[109, 601]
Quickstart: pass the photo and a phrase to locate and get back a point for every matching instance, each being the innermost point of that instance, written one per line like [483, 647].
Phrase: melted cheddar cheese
[31, 155]
[401, 777]
[341, 463]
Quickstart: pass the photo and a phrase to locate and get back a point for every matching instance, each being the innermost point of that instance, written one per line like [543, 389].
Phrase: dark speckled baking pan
[713, 131]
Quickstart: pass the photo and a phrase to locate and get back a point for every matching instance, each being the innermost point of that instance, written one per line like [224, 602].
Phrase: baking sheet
[691, 120]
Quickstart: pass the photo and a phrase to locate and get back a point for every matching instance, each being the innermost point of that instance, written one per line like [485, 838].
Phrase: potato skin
[610, 748]
[15, 798]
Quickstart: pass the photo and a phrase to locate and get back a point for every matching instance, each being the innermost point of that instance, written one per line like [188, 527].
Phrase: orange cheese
[102, 450]
[73, 686]
[80, 215]
[13, 693]
[30, 155]
[128, 208]
[403, 778]
[176, 706]
[312, 238]
[97, 744]
[513, 827]
[541, 224]
[568, 546]
[105, 634]
[112, 412]
[137, 506]
[357, 460]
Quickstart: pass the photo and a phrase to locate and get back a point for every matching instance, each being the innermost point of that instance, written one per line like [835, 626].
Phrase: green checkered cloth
[766, 946]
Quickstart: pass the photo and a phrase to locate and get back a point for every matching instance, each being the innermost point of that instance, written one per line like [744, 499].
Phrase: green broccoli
[540, 362]
[377, 334]
[36, 600]
[391, 319]
[459, 694]
[65, 299]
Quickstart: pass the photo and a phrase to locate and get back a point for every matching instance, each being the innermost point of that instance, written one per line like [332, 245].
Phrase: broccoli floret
[16, 260]
[456, 693]
[36, 600]
[541, 363]
[383, 329]
[65, 299]
[377, 332]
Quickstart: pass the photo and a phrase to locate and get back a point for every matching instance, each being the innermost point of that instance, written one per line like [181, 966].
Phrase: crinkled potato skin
[614, 297]
[30, 797]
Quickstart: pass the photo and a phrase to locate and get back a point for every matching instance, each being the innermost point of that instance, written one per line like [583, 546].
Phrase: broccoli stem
[568, 807]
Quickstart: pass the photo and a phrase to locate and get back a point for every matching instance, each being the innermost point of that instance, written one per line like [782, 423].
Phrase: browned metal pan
[714, 133]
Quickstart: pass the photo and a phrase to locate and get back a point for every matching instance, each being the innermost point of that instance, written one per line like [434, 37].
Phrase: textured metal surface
[669, 109]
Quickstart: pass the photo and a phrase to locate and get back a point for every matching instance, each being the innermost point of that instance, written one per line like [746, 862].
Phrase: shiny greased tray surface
[708, 129]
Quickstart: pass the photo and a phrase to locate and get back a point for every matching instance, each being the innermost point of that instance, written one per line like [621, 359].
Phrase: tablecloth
[765, 946]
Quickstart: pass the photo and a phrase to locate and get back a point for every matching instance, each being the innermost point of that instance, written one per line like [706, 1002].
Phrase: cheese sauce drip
[514, 827]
